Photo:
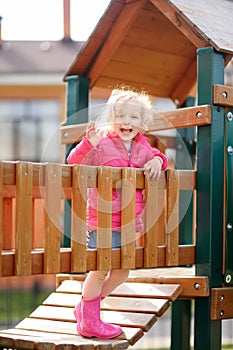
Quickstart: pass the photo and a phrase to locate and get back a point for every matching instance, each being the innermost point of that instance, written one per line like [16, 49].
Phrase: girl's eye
[135, 117]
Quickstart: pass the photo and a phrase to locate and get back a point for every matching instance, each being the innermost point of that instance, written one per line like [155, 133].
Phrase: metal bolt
[228, 278]
[65, 134]
[221, 298]
[199, 114]
[221, 313]
[224, 94]
[229, 116]
[197, 286]
[229, 226]
[230, 150]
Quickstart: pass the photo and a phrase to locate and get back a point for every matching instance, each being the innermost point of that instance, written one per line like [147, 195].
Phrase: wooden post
[23, 235]
[52, 212]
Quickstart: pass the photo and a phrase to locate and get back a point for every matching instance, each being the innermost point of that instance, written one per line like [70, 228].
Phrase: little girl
[121, 144]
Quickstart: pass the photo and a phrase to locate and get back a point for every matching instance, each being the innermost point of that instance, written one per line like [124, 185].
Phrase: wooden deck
[133, 306]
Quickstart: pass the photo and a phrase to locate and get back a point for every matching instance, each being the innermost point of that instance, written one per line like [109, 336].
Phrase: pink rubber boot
[91, 325]
[78, 315]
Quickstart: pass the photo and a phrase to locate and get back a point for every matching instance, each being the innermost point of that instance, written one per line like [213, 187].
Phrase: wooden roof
[151, 44]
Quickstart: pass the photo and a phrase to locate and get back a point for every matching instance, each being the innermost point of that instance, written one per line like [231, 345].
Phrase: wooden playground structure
[175, 262]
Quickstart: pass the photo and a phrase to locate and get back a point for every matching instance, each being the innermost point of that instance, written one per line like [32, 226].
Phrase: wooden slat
[186, 257]
[131, 334]
[128, 212]
[56, 341]
[168, 291]
[221, 303]
[8, 238]
[78, 232]
[172, 229]
[123, 304]
[52, 213]
[129, 289]
[23, 217]
[140, 305]
[179, 118]
[125, 319]
[223, 95]
[104, 229]
[192, 286]
[187, 177]
[151, 216]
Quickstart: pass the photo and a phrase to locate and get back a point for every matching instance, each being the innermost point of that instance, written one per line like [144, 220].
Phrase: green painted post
[77, 113]
[181, 309]
[210, 174]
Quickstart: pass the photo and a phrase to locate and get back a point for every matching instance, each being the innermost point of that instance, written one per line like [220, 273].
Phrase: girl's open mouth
[126, 131]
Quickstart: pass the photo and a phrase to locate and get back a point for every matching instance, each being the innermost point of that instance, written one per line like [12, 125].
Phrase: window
[29, 130]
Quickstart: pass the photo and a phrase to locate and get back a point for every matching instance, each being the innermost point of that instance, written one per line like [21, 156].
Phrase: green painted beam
[77, 112]
[210, 175]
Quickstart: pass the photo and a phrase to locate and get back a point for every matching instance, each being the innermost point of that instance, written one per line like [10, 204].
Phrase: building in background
[33, 93]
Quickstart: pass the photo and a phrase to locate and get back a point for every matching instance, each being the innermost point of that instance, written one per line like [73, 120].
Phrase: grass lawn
[18, 304]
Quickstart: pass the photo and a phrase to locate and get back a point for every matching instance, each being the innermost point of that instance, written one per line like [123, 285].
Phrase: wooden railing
[32, 199]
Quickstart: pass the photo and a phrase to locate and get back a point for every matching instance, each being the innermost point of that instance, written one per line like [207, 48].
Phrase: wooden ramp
[135, 306]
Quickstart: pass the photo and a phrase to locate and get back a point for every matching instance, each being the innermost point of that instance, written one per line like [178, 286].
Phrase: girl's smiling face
[128, 120]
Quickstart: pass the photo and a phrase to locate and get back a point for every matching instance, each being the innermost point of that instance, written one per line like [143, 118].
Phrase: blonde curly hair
[122, 96]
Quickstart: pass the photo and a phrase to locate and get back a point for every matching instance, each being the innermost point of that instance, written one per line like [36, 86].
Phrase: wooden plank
[181, 118]
[221, 303]
[156, 291]
[53, 341]
[8, 238]
[23, 217]
[160, 224]
[16, 342]
[223, 95]
[139, 305]
[9, 173]
[78, 231]
[192, 286]
[132, 289]
[186, 257]
[104, 229]
[59, 313]
[172, 229]
[151, 216]
[52, 211]
[128, 212]
[131, 334]
[123, 304]
[175, 119]
[187, 177]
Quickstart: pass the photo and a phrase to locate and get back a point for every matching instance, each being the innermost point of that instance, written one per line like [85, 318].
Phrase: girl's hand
[153, 168]
[93, 135]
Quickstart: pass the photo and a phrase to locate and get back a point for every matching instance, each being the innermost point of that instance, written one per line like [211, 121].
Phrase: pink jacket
[112, 152]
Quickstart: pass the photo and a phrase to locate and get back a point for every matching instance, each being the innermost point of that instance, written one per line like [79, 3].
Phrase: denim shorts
[92, 239]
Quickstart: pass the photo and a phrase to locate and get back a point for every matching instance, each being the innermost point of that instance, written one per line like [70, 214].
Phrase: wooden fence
[24, 184]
